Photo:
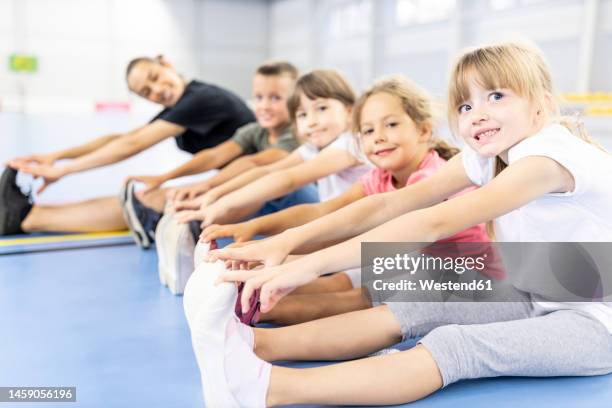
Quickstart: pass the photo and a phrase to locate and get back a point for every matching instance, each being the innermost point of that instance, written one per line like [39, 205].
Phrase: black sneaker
[14, 204]
[141, 219]
[195, 230]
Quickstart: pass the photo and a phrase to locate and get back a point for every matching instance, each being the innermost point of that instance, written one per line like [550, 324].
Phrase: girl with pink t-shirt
[403, 153]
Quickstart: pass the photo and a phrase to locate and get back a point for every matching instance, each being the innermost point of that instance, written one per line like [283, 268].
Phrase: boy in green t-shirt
[260, 143]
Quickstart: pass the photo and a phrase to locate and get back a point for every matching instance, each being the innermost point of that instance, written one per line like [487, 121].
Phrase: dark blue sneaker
[195, 230]
[14, 204]
[141, 219]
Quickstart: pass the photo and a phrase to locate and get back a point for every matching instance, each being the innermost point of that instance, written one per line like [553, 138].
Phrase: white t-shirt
[335, 184]
[582, 215]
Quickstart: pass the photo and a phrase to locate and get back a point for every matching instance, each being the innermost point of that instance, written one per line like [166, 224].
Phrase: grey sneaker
[141, 219]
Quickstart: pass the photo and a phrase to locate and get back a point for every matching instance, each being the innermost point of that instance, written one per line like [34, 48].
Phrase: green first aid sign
[23, 63]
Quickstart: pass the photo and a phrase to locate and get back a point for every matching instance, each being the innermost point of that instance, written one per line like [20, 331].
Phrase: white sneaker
[175, 248]
[160, 245]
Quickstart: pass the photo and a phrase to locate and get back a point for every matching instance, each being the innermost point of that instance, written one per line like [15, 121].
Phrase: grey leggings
[476, 340]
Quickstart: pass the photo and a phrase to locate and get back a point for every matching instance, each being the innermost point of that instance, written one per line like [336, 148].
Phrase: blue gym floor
[99, 320]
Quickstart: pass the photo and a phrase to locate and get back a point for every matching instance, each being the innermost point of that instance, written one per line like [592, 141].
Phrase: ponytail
[445, 150]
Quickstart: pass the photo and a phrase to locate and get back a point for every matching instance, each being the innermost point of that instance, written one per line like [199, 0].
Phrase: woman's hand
[49, 173]
[47, 159]
[241, 232]
[275, 283]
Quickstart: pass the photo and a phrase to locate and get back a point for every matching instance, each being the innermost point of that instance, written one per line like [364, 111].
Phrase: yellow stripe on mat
[64, 238]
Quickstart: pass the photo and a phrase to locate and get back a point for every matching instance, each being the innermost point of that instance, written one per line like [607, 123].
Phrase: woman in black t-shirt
[196, 114]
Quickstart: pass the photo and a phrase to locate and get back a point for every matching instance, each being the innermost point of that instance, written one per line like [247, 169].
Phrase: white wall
[291, 32]
[424, 51]
[377, 44]
[233, 38]
[84, 46]
[602, 62]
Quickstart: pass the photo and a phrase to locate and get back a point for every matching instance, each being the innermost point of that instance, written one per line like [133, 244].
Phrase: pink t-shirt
[378, 181]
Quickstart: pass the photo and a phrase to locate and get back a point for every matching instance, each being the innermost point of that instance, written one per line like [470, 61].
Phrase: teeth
[490, 132]
[486, 134]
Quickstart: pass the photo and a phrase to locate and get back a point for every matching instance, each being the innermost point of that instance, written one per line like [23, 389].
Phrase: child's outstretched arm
[357, 217]
[519, 184]
[279, 183]
[234, 169]
[252, 175]
[204, 160]
[103, 151]
[280, 221]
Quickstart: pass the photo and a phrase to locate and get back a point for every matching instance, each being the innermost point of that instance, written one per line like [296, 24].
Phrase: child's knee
[444, 345]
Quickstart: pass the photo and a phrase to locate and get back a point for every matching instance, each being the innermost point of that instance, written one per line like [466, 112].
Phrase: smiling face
[491, 121]
[321, 120]
[270, 93]
[156, 82]
[389, 137]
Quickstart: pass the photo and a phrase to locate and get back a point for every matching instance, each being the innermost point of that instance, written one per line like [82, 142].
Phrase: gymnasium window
[350, 19]
[498, 5]
[408, 12]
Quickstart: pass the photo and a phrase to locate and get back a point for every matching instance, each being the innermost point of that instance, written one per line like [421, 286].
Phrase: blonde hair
[415, 102]
[519, 67]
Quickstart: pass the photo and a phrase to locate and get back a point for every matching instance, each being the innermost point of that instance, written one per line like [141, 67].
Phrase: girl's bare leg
[389, 379]
[347, 336]
[96, 215]
[383, 380]
[295, 309]
[100, 214]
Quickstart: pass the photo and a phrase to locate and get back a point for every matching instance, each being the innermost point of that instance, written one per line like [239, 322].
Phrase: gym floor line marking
[63, 238]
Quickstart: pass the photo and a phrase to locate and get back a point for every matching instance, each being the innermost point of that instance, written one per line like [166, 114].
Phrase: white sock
[248, 376]
[246, 333]
[200, 283]
[210, 313]
[389, 350]
[208, 328]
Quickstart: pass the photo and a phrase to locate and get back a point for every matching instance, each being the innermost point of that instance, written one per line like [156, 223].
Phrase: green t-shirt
[252, 138]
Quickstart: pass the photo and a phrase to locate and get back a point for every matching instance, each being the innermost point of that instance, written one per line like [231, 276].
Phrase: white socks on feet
[248, 376]
[208, 326]
[232, 375]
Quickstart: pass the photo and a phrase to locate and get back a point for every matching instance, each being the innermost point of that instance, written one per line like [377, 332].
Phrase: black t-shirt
[210, 114]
